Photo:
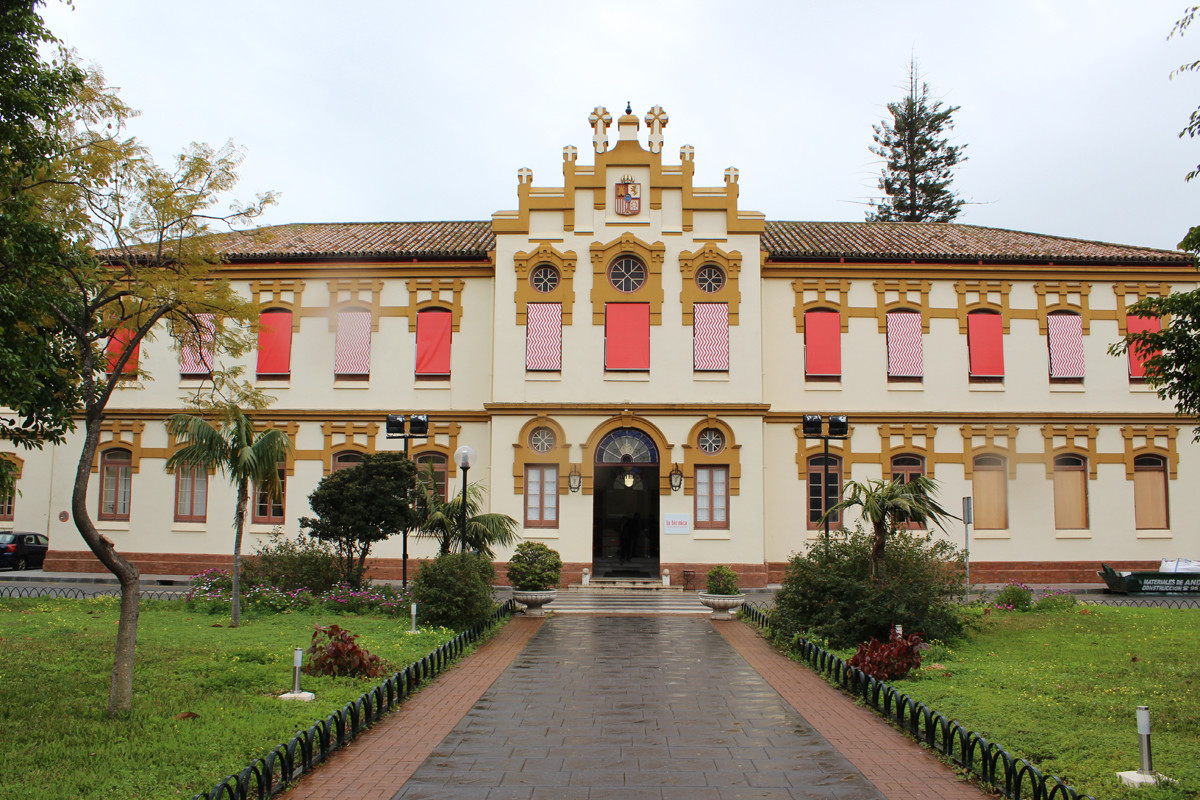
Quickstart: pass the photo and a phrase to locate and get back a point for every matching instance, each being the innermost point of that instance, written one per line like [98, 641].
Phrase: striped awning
[905, 356]
[543, 336]
[196, 348]
[1066, 345]
[710, 338]
[353, 354]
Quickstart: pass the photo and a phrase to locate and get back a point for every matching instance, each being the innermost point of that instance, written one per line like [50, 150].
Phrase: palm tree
[236, 449]
[888, 504]
[440, 520]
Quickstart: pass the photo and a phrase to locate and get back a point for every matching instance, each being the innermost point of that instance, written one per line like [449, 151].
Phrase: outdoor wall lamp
[676, 478]
[574, 479]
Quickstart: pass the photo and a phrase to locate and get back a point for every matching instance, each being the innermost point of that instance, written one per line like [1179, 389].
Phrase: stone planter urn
[721, 604]
[533, 601]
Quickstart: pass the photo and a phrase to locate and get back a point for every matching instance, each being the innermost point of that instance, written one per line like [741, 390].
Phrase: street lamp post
[465, 458]
[418, 428]
[839, 428]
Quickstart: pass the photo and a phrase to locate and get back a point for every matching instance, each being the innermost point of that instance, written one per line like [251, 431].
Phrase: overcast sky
[364, 111]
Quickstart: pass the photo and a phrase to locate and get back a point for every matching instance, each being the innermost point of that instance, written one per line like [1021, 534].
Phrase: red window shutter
[1137, 357]
[543, 336]
[352, 355]
[196, 350]
[823, 343]
[627, 336]
[710, 337]
[433, 342]
[275, 343]
[985, 341]
[116, 346]
[906, 357]
[1066, 345]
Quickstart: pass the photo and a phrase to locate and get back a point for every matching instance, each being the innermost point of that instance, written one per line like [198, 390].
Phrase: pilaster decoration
[343, 436]
[1069, 296]
[730, 263]
[600, 119]
[651, 290]
[983, 296]
[1130, 293]
[123, 434]
[564, 292]
[821, 293]
[280, 294]
[807, 448]
[443, 438]
[353, 294]
[626, 419]
[979, 440]
[656, 120]
[523, 453]
[896, 440]
[694, 456]
[1070, 439]
[426, 293]
[901, 295]
[1151, 440]
[292, 429]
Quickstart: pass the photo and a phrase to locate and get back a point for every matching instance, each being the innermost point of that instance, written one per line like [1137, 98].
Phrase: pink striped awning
[196, 347]
[905, 356]
[543, 336]
[710, 337]
[1066, 345]
[353, 354]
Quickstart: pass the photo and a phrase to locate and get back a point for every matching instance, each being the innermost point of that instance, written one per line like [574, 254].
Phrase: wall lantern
[676, 479]
[574, 479]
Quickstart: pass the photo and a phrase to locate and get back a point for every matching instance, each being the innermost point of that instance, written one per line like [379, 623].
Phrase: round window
[711, 441]
[627, 274]
[541, 440]
[544, 278]
[710, 278]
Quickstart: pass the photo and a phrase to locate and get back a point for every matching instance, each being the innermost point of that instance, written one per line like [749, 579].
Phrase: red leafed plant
[334, 651]
[892, 659]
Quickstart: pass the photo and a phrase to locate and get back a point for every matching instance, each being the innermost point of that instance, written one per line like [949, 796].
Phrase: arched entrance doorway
[625, 506]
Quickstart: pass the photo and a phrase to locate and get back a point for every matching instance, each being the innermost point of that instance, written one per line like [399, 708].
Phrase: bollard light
[1143, 728]
[297, 663]
[413, 629]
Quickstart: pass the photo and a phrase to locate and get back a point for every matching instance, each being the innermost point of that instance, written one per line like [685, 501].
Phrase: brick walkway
[630, 708]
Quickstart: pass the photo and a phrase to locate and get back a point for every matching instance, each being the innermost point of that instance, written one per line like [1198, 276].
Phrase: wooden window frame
[186, 477]
[276, 506]
[1154, 465]
[983, 463]
[120, 470]
[705, 500]
[815, 466]
[536, 490]
[1070, 474]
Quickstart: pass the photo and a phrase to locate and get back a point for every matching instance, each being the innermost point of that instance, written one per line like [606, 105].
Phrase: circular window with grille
[541, 440]
[627, 274]
[544, 278]
[710, 278]
[711, 441]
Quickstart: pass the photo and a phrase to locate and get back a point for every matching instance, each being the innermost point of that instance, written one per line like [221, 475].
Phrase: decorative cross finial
[600, 119]
[524, 175]
[731, 175]
[570, 154]
[687, 153]
[656, 120]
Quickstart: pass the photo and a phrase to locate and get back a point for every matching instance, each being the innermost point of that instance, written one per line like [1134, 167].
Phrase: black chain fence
[1011, 776]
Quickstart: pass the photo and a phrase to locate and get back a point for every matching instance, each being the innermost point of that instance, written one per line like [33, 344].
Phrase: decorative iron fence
[270, 774]
[71, 593]
[1011, 776]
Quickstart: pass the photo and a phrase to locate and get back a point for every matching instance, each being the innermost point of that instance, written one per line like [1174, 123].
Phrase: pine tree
[917, 159]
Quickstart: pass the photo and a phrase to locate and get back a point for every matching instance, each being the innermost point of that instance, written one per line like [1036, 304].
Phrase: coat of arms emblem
[629, 197]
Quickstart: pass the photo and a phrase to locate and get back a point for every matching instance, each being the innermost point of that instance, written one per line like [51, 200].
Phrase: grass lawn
[56, 659]
[1061, 690]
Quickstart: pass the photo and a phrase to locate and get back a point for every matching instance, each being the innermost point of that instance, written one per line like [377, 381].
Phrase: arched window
[116, 472]
[904, 469]
[345, 460]
[989, 492]
[1150, 508]
[1070, 493]
[438, 461]
[626, 446]
[833, 490]
[268, 507]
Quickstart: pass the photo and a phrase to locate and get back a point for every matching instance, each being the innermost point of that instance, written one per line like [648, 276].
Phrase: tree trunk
[120, 692]
[877, 548]
[239, 523]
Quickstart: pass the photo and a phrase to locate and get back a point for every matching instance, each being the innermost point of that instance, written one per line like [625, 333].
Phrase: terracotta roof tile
[940, 240]
[463, 239]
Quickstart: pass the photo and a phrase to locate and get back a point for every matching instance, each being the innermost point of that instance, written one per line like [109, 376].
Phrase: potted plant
[533, 571]
[722, 593]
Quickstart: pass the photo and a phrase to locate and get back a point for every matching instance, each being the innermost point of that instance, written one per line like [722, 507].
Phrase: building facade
[632, 357]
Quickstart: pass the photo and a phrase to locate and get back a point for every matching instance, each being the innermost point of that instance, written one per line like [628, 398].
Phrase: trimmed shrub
[828, 592]
[290, 564]
[722, 580]
[534, 567]
[1014, 597]
[335, 651]
[884, 661]
[454, 590]
[1056, 600]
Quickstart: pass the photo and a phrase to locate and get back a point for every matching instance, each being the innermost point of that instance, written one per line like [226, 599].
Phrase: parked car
[21, 550]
